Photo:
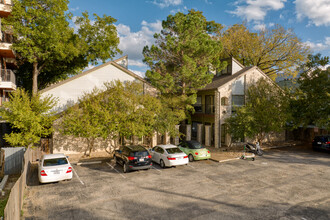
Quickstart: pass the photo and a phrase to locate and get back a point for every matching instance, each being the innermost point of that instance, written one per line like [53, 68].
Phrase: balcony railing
[6, 2]
[6, 38]
[207, 109]
[8, 76]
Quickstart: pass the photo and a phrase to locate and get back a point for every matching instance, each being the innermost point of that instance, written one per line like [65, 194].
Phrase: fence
[13, 159]
[15, 200]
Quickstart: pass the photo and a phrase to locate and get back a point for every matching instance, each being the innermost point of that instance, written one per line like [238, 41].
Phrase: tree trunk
[35, 74]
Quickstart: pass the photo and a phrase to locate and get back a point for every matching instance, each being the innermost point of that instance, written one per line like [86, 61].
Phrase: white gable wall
[235, 66]
[69, 92]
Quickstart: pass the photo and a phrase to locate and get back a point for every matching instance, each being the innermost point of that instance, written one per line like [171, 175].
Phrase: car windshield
[139, 154]
[195, 145]
[323, 138]
[173, 150]
[55, 161]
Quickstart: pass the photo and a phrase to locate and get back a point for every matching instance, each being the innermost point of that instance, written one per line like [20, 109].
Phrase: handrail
[7, 75]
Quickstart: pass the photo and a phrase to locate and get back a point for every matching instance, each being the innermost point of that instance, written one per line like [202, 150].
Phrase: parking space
[280, 185]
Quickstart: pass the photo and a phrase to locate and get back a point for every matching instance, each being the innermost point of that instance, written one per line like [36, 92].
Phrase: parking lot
[282, 184]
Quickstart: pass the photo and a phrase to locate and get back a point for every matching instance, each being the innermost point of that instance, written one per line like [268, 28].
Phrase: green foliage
[180, 60]
[30, 117]
[266, 110]
[121, 110]
[311, 103]
[275, 51]
[47, 45]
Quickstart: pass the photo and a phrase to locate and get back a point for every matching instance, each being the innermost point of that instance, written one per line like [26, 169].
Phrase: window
[224, 101]
[238, 100]
[226, 70]
[198, 105]
[173, 150]
[55, 162]
[209, 104]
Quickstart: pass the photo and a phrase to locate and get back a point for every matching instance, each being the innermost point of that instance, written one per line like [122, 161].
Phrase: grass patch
[3, 202]
[3, 199]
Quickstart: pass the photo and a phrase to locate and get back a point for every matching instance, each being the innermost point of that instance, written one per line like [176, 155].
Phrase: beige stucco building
[216, 102]
[70, 90]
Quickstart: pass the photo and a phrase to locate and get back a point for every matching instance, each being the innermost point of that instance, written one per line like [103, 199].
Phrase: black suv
[134, 157]
[321, 143]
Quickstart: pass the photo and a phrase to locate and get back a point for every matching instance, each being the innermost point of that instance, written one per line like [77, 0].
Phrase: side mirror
[67, 156]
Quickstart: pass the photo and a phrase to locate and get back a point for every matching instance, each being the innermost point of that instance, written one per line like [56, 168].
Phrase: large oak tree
[276, 51]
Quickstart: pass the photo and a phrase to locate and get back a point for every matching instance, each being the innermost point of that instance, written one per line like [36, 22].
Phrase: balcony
[6, 41]
[7, 80]
[206, 109]
[5, 7]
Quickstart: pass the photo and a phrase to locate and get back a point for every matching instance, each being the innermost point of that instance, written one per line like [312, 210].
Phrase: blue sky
[138, 20]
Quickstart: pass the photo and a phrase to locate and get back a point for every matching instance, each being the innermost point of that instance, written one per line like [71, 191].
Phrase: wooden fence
[15, 200]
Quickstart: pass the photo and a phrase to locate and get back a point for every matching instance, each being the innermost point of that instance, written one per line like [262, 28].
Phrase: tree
[44, 40]
[276, 51]
[311, 102]
[185, 51]
[120, 110]
[265, 111]
[30, 118]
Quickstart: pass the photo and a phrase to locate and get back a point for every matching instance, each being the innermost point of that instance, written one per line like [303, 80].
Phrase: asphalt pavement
[283, 184]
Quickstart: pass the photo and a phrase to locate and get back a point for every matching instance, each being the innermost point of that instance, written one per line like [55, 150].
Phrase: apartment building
[7, 55]
[7, 65]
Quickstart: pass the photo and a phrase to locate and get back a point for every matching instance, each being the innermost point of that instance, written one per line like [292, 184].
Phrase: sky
[138, 20]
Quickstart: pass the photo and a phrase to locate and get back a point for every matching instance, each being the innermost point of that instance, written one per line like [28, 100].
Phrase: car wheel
[162, 164]
[125, 168]
[191, 158]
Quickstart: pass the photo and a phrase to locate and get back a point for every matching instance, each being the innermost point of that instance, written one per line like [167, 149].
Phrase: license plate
[319, 143]
[141, 159]
[56, 172]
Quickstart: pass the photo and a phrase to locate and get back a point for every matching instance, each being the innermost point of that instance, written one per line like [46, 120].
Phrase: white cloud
[259, 27]
[320, 46]
[317, 11]
[183, 10]
[74, 9]
[256, 10]
[167, 3]
[208, 2]
[139, 73]
[132, 43]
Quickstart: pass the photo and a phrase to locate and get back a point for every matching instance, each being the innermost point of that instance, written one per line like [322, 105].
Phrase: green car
[194, 150]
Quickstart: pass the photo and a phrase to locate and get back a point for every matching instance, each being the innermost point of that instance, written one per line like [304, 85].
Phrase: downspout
[219, 122]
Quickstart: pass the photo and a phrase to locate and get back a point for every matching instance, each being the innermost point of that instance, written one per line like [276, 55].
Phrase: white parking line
[78, 176]
[156, 169]
[116, 170]
[190, 165]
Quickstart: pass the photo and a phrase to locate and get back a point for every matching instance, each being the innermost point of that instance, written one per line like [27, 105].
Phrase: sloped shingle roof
[218, 81]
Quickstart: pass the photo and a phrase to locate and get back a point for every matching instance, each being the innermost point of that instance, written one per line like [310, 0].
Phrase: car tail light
[43, 173]
[328, 142]
[185, 157]
[196, 153]
[130, 158]
[149, 156]
[208, 151]
[69, 170]
[171, 158]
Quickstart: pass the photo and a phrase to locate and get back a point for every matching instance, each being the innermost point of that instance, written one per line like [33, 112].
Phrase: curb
[88, 163]
[3, 182]
[222, 161]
